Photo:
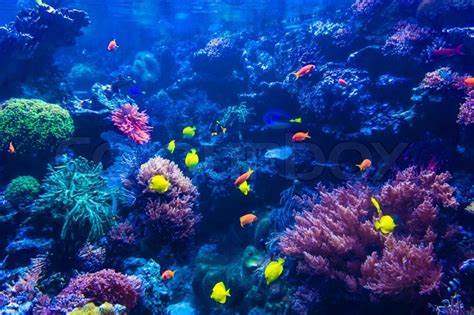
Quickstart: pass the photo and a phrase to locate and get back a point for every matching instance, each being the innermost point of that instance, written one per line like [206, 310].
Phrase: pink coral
[100, 287]
[404, 270]
[129, 120]
[170, 213]
[466, 110]
[442, 79]
[365, 7]
[123, 233]
[334, 235]
[408, 39]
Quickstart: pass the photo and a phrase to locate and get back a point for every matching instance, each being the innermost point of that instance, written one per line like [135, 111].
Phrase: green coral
[33, 125]
[22, 191]
[77, 195]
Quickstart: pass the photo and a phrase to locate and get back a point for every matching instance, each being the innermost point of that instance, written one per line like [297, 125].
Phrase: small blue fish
[445, 75]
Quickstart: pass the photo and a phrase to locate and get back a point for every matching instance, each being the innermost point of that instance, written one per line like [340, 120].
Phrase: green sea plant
[33, 125]
[22, 191]
[77, 195]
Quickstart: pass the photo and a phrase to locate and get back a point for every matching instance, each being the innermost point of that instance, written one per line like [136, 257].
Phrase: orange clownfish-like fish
[167, 274]
[112, 45]
[303, 71]
[247, 219]
[300, 136]
[11, 148]
[343, 82]
[242, 178]
[364, 165]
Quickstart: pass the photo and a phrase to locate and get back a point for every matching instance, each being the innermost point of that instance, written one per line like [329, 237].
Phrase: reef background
[79, 223]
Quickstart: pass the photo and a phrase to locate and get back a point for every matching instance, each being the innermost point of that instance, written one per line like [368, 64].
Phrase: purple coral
[442, 79]
[123, 233]
[334, 235]
[91, 257]
[408, 40]
[466, 110]
[404, 270]
[100, 287]
[170, 213]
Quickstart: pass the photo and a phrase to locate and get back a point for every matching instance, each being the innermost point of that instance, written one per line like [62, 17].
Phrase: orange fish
[242, 178]
[343, 82]
[247, 219]
[303, 71]
[300, 136]
[469, 82]
[167, 275]
[112, 45]
[364, 165]
[11, 148]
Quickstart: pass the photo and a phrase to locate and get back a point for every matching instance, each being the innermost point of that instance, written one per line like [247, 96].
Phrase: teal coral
[77, 195]
[22, 190]
[33, 125]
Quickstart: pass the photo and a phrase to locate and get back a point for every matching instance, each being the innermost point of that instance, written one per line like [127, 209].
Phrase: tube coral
[133, 123]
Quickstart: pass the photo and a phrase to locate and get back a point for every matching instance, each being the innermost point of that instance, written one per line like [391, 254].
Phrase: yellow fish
[244, 188]
[385, 224]
[172, 146]
[219, 293]
[189, 132]
[376, 205]
[192, 159]
[159, 183]
[296, 120]
[274, 270]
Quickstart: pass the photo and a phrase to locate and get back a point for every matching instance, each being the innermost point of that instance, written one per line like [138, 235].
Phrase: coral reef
[129, 120]
[22, 191]
[466, 110]
[34, 125]
[77, 196]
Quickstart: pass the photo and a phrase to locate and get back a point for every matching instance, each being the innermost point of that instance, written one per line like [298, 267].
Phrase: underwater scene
[195, 157]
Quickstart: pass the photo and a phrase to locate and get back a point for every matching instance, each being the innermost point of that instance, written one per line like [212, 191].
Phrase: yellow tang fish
[244, 188]
[192, 159]
[385, 224]
[159, 183]
[274, 270]
[219, 293]
[172, 146]
[189, 132]
[376, 205]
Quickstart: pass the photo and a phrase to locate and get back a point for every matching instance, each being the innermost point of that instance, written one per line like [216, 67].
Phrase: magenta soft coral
[334, 235]
[133, 123]
[100, 287]
[404, 270]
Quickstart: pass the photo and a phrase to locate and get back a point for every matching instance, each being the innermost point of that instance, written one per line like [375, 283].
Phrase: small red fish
[112, 45]
[343, 82]
[364, 165]
[447, 52]
[303, 71]
[469, 82]
[167, 274]
[242, 178]
[300, 136]
[11, 148]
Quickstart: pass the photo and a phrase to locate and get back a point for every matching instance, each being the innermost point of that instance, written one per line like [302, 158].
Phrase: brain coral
[33, 125]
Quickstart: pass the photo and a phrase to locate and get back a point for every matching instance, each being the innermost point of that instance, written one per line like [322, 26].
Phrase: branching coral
[77, 195]
[408, 40]
[404, 270]
[129, 120]
[466, 110]
[100, 287]
[34, 125]
[333, 236]
[170, 213]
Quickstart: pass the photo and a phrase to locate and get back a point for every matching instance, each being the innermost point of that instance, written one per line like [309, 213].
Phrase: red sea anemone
[132, 123]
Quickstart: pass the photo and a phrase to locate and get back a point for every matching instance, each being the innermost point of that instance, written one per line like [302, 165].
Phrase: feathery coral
[133, 123]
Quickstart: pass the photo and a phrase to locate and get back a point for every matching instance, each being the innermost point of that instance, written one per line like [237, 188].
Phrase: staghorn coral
[22, 191]
[171, 213]
[77, 196]
[33, 125]
[404, 270]
[466, 110]
[99, 287]
[332, 237]
[133, 123]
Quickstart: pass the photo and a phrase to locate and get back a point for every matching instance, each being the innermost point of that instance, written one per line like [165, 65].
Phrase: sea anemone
[133, 123]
